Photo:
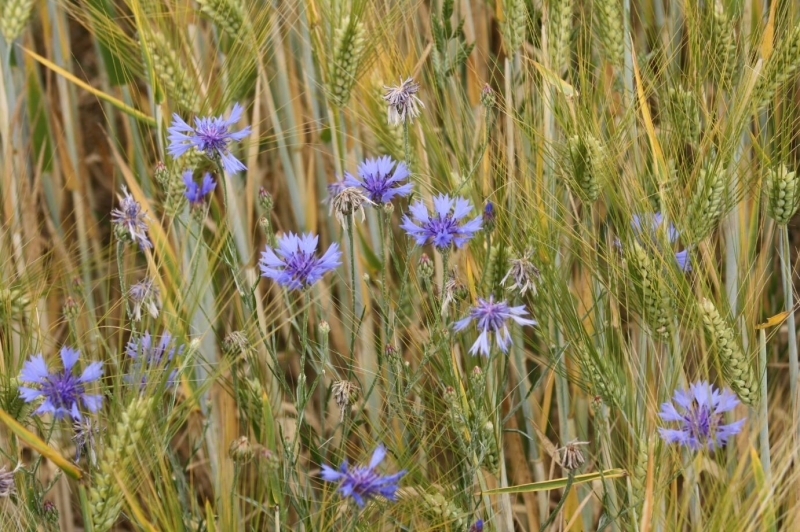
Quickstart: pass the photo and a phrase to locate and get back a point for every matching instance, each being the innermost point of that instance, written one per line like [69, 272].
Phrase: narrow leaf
[558, 482]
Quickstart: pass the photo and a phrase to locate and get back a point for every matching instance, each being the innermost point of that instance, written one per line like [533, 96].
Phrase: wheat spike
[736, 369]
[349, 43]
[15, 15]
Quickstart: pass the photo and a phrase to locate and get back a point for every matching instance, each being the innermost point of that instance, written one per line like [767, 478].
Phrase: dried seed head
[570, 456]
[345, 393]
[235, 343]
[524, 274]
[347, 202]
[403, 102]
[240, 450]
[84, 435]
[7, 485]
[145, 294]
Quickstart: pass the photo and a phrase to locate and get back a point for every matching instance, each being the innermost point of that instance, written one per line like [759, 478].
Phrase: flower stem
[350, 223]
[788, 305]
[121, 272]
[557, 509]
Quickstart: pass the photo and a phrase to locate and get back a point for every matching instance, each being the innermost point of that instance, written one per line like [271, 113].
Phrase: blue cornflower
[442, 228]
[149, 356]
[61, 390]
[700, 417]
[130, 221]
[364, 483]
[646, 227]
[477, 526]
[294, 263]
[196, 194]
[491, 317]
[378, 181]
[210, 135]
[489, 217]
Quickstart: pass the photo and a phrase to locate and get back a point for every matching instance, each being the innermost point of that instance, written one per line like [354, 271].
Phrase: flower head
[489, 216]
[570, 456]
[524, 274]
[403, 101]
[442, 228]
[294, 263]
[699, 417]
[84, 432]
[196, 194]
[477, 526]
[210, 135]
[363, 483]
[647, 228]
[61, 390]
[490, 318]
[149, 356]
[130, 221]
[378, 181]
[347, 202]
[145, 294]
[7, 485]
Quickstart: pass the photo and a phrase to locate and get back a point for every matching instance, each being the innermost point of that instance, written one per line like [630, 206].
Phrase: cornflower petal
[492, 318]
[700, 417]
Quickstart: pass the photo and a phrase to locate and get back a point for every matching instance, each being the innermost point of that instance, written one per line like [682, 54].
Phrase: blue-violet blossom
[196, 194]
[363, 483]
[294, 263]
[699, 415]
[61, 390]
[148, 355]
[130, 221]
[442, 228]
[490, 318]
[210, 135]
[646, 227]
[378, 181]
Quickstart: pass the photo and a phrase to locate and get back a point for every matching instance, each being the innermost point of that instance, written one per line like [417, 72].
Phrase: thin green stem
[788, 305]
[121, 273]
[354, 319]
[557, 509]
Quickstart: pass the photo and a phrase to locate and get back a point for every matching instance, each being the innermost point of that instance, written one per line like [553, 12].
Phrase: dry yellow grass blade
[122, 106]
[41, 447]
